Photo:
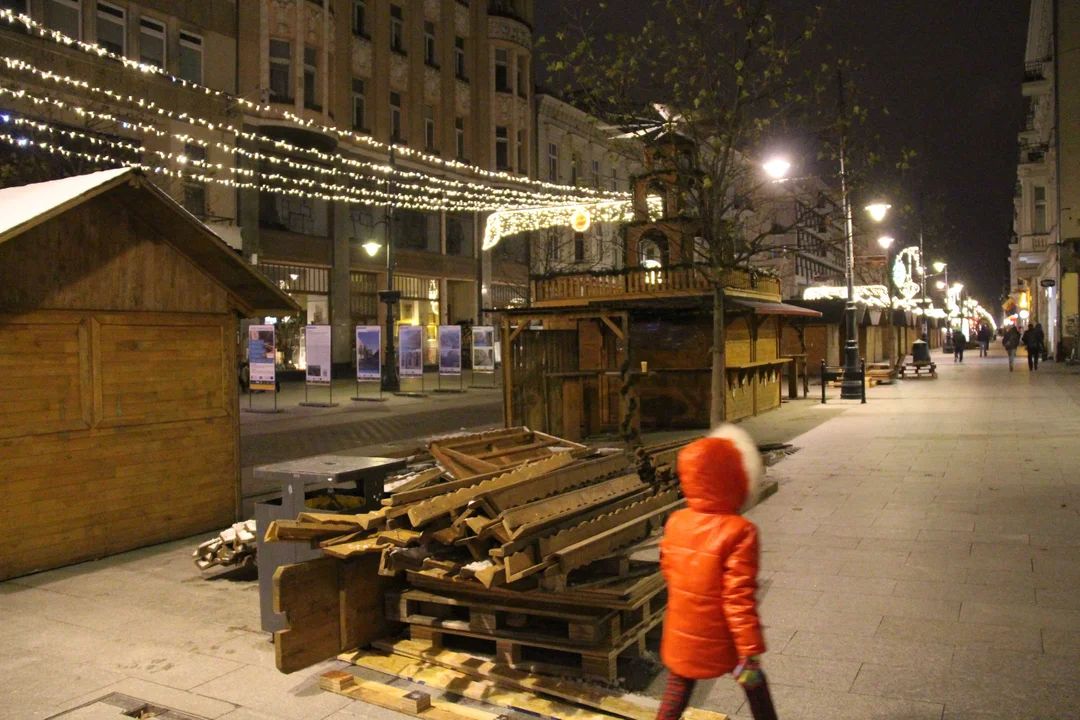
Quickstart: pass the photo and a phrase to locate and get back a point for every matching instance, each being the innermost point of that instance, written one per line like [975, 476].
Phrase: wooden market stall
[118, 371]
[631, 351]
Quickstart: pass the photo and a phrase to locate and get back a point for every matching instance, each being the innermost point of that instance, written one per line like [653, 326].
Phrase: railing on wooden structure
[641, 282]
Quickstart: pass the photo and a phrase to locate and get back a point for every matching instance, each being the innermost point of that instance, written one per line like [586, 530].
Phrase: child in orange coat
[709, 557]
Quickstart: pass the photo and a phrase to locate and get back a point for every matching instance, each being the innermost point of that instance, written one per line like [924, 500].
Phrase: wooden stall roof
[759, 307]
[26, 206]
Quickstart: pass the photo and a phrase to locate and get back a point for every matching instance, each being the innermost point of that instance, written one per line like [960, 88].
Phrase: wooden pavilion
[118, 369]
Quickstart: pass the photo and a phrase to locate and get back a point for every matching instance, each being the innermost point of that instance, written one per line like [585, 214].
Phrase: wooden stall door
[534, 353]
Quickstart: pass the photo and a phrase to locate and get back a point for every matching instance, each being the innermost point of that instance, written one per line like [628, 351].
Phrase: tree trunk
[718, 406]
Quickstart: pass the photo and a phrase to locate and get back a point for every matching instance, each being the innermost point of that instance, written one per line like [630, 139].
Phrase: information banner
[261, 356]
[450, 350]
[411, 353]
[317, 345]
[368, 352]
[483, 349]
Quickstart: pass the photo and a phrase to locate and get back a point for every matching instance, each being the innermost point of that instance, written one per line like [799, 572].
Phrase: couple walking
[960, 340]
[1034, 339]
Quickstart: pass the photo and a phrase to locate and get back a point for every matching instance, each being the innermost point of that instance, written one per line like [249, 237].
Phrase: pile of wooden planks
[529, 563]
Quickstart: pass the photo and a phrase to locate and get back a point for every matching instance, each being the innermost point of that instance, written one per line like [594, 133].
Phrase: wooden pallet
[543, 656]
[573, 626]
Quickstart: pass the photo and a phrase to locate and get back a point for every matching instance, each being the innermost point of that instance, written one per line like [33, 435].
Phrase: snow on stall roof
[20, 205]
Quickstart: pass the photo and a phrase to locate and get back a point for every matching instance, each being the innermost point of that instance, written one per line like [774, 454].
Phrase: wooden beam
[614, 328]
[398, 699]
[525, 323]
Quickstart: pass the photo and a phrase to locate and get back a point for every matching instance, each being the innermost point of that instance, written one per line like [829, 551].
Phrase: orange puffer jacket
[709, 557]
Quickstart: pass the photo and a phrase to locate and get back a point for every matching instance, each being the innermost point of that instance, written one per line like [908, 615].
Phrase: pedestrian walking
[1011, 341]
[959, 341]
[709, 557]
[984, 341]
[1033, 340]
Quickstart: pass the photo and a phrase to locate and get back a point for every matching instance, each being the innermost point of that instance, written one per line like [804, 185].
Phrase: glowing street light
[939, 266]
[940, 284]
[885, 242]
[878, 211]
[372, 248]
[777, 168]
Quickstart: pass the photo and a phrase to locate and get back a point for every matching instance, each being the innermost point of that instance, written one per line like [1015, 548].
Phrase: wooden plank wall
[532, 354]
[116, 431]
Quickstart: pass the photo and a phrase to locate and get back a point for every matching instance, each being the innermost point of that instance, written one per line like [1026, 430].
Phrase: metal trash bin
[306, 486]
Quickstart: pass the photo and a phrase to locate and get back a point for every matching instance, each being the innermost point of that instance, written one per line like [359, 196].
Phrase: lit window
[111, 28]
[502, 148]
[459, 58]
[359, 107]
[64, 16]
[191, 57]
[395, 116]
[430, 56]
[429, 127]
[280, 71]
[397, 29]
[502, 71]
[152, 42]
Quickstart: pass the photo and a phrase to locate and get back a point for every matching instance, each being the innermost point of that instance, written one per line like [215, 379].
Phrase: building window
[579, 247]
[63, 16]
[502, 71]
[194, 192]
[397, 29]
[553, 162]
[522, 83]
[359, 109]
[521, 151]
[430, 56]
[191, 55]
[459, 58]
[573, 169]
[553, 246]
[459, 137]
[280, 71]
[152, 43]
[502, 148]
[614, 180]
[596, 173]
[429, 128]
[311, 78]
[359, 18]
[1039, 224]
[19, 7]
[395, 116]
[111, 28]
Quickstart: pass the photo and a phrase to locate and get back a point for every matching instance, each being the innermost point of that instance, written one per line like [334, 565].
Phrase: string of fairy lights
[569, 193]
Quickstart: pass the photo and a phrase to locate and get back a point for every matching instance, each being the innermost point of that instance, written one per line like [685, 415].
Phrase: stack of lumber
[233, 546]
[529, 563]
[883, 373]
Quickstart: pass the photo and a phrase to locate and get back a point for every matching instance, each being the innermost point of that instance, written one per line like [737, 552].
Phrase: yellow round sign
[580, 221]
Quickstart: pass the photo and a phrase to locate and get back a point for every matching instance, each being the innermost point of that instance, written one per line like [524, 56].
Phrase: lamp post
[391, 382]
[886, 244]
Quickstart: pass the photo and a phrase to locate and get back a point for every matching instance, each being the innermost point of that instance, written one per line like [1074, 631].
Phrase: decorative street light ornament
[372, 248]
[581, 220]
[904, 267]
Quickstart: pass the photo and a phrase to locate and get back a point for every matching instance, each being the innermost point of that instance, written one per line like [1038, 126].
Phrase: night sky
[950, 75]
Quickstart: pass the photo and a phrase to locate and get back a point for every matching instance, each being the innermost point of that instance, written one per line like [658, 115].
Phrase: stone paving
[919, 561]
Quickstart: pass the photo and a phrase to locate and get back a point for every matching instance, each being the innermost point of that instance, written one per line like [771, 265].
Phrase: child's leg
[760, 700]
[676, 697]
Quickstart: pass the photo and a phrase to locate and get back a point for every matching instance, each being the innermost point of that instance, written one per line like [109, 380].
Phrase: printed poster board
[368, 352]
[483, 349]
[411, 353]
[317, 344]
[450, 350]
[261, 356]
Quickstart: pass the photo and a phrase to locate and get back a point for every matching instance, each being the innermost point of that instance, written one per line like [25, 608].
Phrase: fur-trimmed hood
[721, 474]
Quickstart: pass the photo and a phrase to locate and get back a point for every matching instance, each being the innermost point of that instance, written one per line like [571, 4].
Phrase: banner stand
[330, 404]
[474, 386]
[459, 389]
[263, 411]
[369, 398]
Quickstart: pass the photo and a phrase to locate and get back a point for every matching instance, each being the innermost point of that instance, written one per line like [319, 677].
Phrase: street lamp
[939, 266]
[878, 210]
[372, 248]
[941, 285]
[885, 242]
[777, 168]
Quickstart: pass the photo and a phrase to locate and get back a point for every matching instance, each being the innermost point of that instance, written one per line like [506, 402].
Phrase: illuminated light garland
[96, 50]
[525, 198]
[876, 296]
[511, 222]
[469, 201]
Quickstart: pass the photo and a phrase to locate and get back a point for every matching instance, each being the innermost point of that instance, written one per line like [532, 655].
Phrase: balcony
[1037, 77]
[640, 284]
[1033, 154]
[1029, 132]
